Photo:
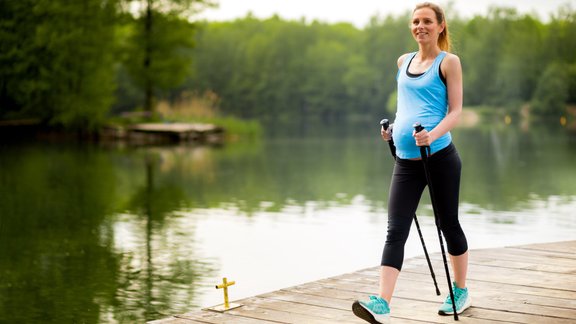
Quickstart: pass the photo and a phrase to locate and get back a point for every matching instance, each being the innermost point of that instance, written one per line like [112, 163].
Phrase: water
[95, 234]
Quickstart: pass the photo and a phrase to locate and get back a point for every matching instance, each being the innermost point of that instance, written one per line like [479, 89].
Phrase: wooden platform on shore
[155, 133]
[522, 284]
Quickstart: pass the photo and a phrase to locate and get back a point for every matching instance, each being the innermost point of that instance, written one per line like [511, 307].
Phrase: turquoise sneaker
[461, 298]
[374, 311]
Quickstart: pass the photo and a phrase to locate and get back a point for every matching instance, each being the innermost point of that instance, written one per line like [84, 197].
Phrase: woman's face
[425, 27]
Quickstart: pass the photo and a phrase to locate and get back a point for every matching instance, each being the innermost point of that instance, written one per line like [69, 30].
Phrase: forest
[76, 64]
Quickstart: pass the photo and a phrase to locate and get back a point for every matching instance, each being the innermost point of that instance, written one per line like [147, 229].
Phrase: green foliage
[16, 34]
[61, 60]
[245, 128]
[386, 39]
[292, 69]
[170, 44]
[72, 63]
[501, 56]
[552, 92]
[58, 61]
[391, 104]
[280, 69]
[158, 46]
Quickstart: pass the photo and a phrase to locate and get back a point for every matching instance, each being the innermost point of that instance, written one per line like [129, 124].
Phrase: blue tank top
[423, 99]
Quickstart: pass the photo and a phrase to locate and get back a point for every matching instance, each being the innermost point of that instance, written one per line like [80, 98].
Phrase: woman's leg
[445, 172]
[460, 269]
[388, 278]
[408, 183]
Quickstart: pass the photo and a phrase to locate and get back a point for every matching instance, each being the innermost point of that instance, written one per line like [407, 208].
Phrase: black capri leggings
[408, 183]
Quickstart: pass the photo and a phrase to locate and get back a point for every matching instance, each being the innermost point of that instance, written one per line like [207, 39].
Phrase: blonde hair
[444, 38]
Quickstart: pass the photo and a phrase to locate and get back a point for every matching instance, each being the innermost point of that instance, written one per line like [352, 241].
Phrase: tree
[157, 54]
[385, 39]
[57, 61]
[552, 93]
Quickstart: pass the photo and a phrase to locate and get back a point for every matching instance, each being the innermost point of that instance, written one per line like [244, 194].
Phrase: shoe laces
[458, 292]
[379, 304]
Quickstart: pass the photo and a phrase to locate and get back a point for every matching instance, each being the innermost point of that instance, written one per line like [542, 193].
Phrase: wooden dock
[522, 284]
[158, 133]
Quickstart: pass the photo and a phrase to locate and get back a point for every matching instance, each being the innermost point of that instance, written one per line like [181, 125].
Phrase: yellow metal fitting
[225, 284]
[226, 306]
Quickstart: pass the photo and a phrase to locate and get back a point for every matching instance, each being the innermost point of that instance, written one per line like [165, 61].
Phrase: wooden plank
[422, 274]
[209, 317]
[262, 309]
[330, 314]
[406, 310]
[559, 281]
[345, 299]
[320, 299]
[426, 311]
[495, 299]
[568, 247]
[542, 253]
[526, 284]
[513, 260]
[495, 294]
[350, 291]
[526, 255]
[423, 277]
[486, 301]
[565, 299]
[174, 127]
[175, 320]
[522, 255]
[491, 298]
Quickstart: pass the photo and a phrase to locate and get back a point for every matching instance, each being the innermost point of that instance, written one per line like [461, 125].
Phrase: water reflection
[160, 261]
[504, 168]
[93, 234]
[87, 237]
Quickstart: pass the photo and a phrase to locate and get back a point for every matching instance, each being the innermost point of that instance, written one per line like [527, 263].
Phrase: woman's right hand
[386, 134]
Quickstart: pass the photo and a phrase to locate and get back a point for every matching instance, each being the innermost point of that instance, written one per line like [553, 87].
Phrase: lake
[117, 234]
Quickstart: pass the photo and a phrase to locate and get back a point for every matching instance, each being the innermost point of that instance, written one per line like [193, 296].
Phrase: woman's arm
[401, 59]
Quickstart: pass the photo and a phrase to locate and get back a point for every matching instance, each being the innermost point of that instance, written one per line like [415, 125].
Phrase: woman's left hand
[422, 138]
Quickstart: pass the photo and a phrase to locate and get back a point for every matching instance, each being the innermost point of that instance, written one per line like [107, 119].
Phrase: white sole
[467, 305]
[365, 314]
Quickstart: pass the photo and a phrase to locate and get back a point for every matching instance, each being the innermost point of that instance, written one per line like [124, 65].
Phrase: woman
[429, 92]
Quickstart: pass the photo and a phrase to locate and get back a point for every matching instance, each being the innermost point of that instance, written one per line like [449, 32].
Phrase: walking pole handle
[418, 127]
[385, 123]
[423, 149]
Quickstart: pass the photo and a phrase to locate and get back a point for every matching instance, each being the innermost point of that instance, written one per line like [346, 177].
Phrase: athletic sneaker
[374, 311]
[461, 298]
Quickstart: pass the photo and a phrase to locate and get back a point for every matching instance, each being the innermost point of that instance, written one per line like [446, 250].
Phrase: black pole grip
[418, 127]
[423, 149]
[385, 123]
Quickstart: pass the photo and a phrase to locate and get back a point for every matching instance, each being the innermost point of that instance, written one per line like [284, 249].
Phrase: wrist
[433, 136]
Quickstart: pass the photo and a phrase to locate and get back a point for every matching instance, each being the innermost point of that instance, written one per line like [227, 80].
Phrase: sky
[358, 12]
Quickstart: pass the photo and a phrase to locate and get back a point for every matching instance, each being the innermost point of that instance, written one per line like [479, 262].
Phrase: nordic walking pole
[385, 124]
[424, 154]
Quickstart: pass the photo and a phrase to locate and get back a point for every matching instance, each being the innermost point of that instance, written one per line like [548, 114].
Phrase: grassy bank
[194, 108]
